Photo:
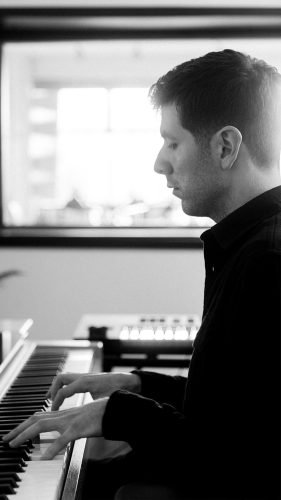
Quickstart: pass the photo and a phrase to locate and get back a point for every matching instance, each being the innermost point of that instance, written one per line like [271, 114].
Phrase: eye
[173, 146]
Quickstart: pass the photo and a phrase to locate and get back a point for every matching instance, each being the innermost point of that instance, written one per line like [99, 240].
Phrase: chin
[192, 209]
[189, 208]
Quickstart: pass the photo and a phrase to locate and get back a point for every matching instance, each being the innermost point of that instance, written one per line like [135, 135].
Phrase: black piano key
[12, 475]
[18, 406]
[22, 451]
[11, 418]
[34, 373]
[22, 397]
[19, 410]
[15, 452]
[13, 391]
[54, 367]
[27, 394]
[7, 479]
[32, 382]
[55, 364]
[12, 468]
[41, 379]
[12, 460]
[40, 403]
[24, 416]
[51, 368]
[27, 446]
[6, 419]
[26, 405]
[7, 488]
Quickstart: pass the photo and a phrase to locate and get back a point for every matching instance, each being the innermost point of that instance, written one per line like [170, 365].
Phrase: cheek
[188, 168]
[181, 162]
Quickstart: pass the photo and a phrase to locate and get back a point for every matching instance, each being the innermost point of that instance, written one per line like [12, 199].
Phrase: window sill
[102, 237]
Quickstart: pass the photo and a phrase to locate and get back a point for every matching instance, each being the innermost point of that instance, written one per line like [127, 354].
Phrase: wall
[59, 285]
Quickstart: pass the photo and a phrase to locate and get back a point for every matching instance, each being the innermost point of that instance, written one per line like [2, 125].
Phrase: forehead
[169, 119]
[170, 123]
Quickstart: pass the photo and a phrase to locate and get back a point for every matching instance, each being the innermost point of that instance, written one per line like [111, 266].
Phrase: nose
[162, 164]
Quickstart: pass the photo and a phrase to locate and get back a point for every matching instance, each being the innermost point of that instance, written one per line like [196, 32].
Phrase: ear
[227, 142]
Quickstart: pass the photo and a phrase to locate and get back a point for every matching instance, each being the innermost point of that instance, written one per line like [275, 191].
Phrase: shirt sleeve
[157, 432]
[162, 388]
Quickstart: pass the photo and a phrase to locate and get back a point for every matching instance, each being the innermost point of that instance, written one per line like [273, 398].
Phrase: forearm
[156, 431]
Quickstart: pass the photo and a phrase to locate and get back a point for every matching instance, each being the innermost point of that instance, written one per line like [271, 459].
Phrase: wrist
[130, 382]
[100, 407]
[136, 383]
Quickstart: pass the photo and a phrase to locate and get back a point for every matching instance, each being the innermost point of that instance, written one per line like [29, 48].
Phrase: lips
[175, 189]
[176, 192]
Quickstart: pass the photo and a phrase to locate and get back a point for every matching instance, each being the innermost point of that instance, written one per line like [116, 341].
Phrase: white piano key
[43, 479]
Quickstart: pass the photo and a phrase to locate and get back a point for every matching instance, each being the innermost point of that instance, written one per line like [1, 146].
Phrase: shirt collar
[237, 223]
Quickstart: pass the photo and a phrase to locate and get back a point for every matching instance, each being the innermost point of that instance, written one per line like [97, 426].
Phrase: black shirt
[218, 433]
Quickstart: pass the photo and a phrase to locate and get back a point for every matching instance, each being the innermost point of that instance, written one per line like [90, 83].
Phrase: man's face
[188, 166]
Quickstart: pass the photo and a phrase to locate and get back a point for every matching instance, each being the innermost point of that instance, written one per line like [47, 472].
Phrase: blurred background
[78, 143]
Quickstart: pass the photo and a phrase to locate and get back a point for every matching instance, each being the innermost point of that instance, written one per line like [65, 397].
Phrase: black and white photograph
[140, 250]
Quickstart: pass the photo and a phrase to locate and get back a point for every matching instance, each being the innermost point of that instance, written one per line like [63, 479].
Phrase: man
[216, 435]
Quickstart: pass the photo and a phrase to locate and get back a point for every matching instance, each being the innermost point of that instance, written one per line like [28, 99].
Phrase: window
[79, 136]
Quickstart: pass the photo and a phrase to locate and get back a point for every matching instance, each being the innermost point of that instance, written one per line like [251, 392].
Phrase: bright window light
[80, 137]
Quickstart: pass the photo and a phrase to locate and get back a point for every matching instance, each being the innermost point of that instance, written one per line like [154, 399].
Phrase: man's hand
[75, 423]
[99, 385]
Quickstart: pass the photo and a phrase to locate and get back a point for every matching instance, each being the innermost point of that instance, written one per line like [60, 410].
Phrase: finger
[59, 381]
[66, 392]
[21, 427]
[59, 444]
[41, 425]
[28, 423]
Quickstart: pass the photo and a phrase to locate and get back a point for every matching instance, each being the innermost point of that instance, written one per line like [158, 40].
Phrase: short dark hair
[226, 88]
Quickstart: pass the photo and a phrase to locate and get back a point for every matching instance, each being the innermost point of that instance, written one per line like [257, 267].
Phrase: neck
[245, 190]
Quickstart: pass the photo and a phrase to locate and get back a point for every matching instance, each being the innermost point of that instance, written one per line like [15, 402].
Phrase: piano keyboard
[22, 474]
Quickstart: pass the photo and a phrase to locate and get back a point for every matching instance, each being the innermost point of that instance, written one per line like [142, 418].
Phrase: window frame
[23, 25]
